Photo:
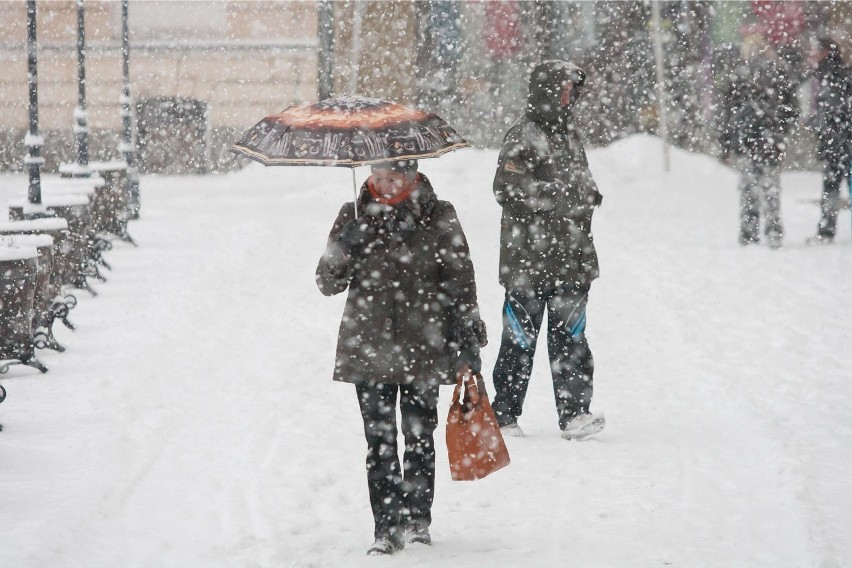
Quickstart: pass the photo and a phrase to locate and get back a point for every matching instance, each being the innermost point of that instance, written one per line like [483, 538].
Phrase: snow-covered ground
[193, 420]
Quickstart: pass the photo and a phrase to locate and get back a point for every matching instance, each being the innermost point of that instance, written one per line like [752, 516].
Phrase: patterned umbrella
[347, 132]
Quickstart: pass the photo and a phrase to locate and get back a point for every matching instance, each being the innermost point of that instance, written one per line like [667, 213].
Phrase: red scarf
[407, 189]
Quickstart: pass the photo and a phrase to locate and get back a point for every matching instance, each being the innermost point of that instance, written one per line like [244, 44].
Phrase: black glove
[594, 199]
[553, 189]
[559, 191]
[355, 235]
[469, 356]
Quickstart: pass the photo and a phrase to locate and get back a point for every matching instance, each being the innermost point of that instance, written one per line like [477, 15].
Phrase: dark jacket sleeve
[731, 103]
[525, 179]
[792, 110]
[515, 182]
[788, 102]
[457, 282]
[335, 268]
[519, 180]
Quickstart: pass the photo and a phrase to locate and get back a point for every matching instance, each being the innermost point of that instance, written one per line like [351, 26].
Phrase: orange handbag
[474, 442]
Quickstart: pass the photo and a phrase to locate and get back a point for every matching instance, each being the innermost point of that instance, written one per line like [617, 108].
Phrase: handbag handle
[470, 384]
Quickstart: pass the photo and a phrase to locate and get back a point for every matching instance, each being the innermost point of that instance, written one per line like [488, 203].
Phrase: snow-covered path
[193, 421]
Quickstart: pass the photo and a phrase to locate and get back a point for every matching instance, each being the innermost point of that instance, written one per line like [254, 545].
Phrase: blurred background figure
[832, 127]
[758, 111]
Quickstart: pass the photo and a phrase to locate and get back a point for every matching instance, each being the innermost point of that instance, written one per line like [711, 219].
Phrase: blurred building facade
[209, 69]
[231, 62]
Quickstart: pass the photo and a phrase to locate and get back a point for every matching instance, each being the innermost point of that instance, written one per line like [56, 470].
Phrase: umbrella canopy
[348, 132]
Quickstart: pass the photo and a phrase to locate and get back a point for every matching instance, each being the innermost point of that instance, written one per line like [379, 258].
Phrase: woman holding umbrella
[411, 323]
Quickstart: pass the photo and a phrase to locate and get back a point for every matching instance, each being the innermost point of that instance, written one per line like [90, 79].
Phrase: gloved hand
[553, 189]
[355, 235]
[556, 195]
[560, 192]
[469, 356]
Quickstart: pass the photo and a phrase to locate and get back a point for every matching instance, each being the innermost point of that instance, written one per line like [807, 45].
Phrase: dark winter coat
[834, 109]
[412, 294]
[759, 108]
[545, 187]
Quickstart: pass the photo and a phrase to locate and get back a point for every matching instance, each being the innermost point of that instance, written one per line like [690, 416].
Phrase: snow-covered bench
[63, 269]
[18, 276]
[48, 305]
[113, 206]
[85, 248]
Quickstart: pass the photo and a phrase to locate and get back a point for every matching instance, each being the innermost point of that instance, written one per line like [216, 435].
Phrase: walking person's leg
[848, 170]
[832, 175]
[571, 363]
[378, 409]
[418, 404]
[749, 204]
[522, 315]
[770, 186]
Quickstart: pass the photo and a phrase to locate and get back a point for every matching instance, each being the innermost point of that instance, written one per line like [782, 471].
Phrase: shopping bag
[474, 442]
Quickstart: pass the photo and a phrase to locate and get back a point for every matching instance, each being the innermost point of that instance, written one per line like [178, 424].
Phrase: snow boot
[381, 547]
[583, 426]
[417, 533]
[819, 240]
[774, 242]
[388, 542]
[746, 239]
[512, 430]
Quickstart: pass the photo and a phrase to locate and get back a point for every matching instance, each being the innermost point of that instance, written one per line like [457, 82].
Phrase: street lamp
[81, 126]
[33, 139]
[125, 147]
[80, 167]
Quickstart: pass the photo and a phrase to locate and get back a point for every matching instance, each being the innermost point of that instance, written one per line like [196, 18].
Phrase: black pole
[34, 141]
[125, 147]
[545, 29]
[325, 24]
[81, 123]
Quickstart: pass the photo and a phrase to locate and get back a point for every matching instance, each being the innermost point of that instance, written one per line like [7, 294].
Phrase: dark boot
[417, 532]
[387, 541]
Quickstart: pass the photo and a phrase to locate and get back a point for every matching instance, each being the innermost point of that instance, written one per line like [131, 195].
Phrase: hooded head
[555, 87]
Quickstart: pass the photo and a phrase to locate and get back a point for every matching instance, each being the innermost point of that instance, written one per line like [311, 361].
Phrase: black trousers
[832, 174]
[571, 360]
[398, 498]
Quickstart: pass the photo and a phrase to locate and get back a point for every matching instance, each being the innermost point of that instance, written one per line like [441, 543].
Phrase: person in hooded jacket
[834, 133]
[411, 323]
[759, 109]
[547, 255]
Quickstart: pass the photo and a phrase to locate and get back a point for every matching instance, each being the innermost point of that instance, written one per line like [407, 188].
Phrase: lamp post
[125, 146]
[33, 139]
[325, 20]
[81, 123]
[661, 96]
[357, 20]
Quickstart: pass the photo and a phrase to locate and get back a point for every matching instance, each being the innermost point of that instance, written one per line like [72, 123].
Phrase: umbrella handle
[355, 191]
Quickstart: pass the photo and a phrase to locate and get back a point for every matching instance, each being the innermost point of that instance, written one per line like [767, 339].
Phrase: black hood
[545, 92]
